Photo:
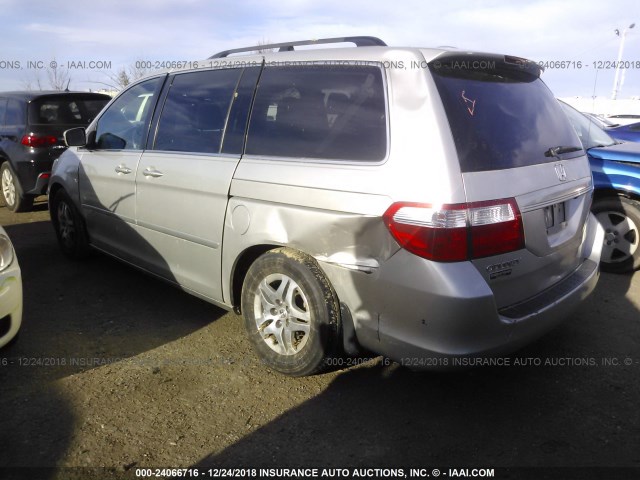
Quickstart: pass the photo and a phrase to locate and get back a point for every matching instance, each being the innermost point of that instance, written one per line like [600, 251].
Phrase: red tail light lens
[36, 141]
[436, 233]
[458, 232]
[496, 227]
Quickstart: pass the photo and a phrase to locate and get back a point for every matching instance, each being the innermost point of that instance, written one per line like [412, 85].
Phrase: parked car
[623, 119]
[627, 133]
[601, 121]
[616, 204]
[419, 203]
[31, 127]
[10, 291]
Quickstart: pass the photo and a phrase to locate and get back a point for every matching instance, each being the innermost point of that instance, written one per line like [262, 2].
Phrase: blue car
[616, 175]
[628, 133]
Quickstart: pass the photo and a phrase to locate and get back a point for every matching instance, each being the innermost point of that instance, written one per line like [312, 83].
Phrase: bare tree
[126, 75]
[58, 76]
[118, 80]
[137, 70]
[33, 82]
[264, 50]
[123, 78]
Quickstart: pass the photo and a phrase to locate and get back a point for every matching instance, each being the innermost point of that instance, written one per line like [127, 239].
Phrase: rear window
[65, 110]
[500, 118]
[334, 112]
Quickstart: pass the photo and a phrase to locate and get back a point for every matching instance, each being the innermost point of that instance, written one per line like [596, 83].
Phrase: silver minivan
[429, 205]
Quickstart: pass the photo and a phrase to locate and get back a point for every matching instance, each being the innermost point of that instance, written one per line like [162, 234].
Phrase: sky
[83, 37]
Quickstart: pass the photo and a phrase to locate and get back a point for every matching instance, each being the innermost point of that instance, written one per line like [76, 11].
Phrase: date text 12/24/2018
[311, 472]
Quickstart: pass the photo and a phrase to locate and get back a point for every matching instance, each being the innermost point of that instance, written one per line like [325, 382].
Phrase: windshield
[590, 133]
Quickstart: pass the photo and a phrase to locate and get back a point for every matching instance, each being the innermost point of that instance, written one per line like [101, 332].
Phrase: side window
[237, 122]
[125, 124]
[320, 111]
[3, 109]
[195, 112]
[15, 113]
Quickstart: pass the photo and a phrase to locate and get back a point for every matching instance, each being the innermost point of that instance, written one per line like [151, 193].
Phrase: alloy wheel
[66, 224]
[621, 236]
[8, 187]
[282, 314]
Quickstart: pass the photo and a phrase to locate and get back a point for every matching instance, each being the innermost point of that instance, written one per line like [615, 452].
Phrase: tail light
[456, 232]
[35, 141]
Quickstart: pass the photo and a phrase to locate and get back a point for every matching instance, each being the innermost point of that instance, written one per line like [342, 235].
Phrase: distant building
[605, 106]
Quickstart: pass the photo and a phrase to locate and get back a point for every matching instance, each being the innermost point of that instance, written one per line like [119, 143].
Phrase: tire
[291, 312]
[69, 226]
[620, 218]
[14, 199]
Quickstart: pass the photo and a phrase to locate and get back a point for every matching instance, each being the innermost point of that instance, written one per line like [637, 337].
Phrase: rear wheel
[291, 312]
[620, 218]
[14, 199]
[69, 226]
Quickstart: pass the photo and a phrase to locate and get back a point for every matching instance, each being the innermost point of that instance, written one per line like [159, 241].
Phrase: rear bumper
[42, 182]
[34, 169]
[425, 315]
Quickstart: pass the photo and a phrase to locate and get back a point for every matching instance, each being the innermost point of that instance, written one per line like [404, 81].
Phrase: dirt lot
[116, 370]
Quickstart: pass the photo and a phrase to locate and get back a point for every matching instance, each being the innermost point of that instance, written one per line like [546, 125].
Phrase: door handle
[152, 172]
[123, 169]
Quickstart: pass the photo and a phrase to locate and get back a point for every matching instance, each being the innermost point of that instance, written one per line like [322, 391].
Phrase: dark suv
[31, 127]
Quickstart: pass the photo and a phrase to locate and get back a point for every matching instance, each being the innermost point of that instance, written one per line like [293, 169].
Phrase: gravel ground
[116, 371]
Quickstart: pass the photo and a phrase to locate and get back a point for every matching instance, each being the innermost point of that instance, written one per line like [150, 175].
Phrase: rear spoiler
[450, 61]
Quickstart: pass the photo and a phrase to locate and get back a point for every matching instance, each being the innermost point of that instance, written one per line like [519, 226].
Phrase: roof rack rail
[288, 46]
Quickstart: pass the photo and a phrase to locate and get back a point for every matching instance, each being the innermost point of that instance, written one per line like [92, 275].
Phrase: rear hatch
[523, 167]
[50, 115]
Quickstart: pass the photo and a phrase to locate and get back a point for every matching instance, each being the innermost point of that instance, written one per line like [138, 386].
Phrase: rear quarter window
[321, 112]
[500, 119]
[3, 109]
[15, 114]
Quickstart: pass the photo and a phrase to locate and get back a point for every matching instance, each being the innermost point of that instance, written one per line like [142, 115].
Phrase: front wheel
[620, 218]
[69, 226]
[291, 312]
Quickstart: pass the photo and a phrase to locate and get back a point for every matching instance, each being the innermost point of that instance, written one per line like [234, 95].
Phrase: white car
[10, 291]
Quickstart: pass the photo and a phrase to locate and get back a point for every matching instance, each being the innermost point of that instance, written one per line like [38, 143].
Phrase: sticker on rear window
[471, 104]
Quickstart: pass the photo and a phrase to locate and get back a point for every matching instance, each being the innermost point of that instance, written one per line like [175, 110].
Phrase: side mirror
[75, 137]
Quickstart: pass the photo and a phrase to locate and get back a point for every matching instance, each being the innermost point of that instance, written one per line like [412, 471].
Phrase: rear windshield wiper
[555, 151]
